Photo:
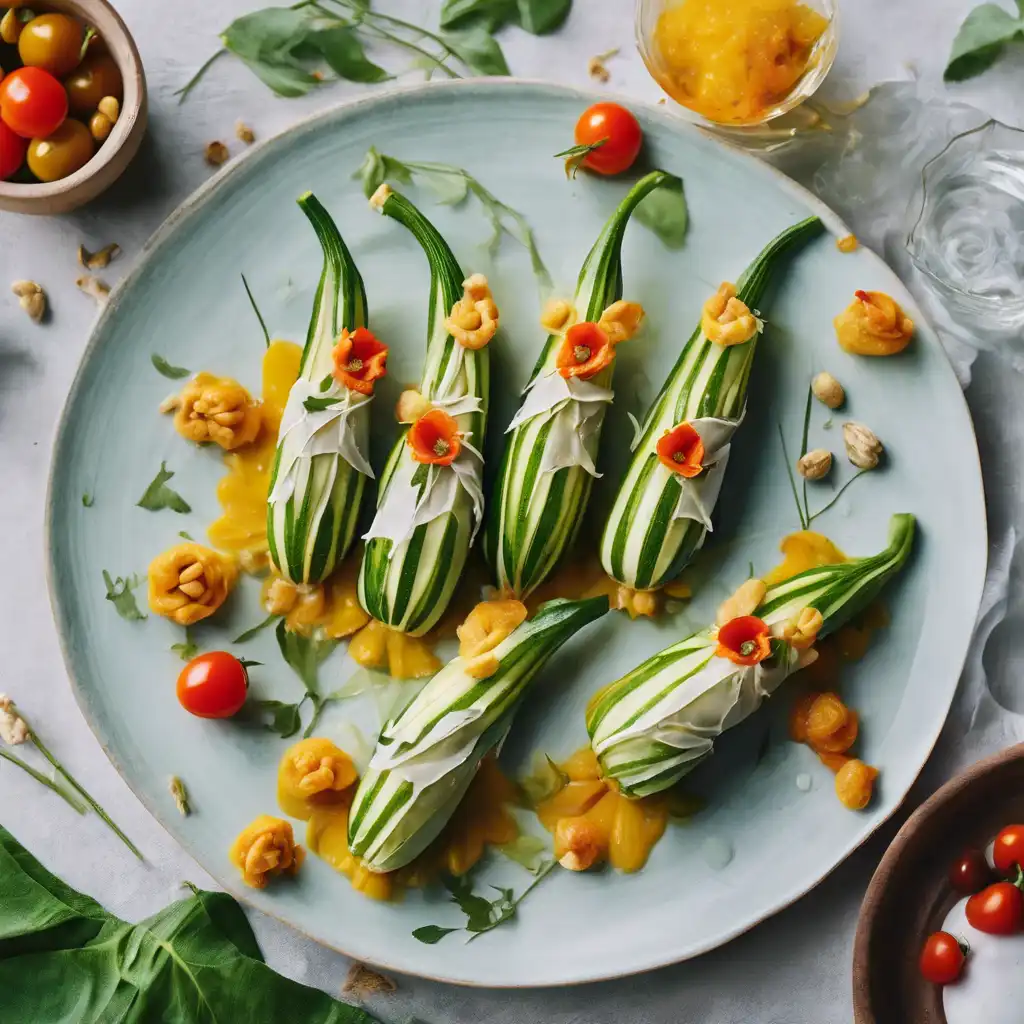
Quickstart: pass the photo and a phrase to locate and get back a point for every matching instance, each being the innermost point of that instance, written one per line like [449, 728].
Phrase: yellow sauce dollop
[734, 60]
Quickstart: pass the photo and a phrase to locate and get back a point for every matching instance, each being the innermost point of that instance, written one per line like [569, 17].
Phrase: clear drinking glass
[649, 11]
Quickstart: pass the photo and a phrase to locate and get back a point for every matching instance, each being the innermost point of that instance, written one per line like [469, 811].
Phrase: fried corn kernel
[855, 784]
[873, 325]
[744, 601]
[217, 409]
[728, 320]
[557, 316]
[265, 848]
[579, 843]
[311, 773]
[473, 320]
[189, 582]
[621, 320]
[487, 625]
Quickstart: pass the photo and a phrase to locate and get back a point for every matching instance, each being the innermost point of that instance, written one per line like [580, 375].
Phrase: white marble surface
[794, 969]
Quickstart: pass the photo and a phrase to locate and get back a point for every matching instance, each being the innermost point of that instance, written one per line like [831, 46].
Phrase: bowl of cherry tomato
[72, 103]
[944, 913]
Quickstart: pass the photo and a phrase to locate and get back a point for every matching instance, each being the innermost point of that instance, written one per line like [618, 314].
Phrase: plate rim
[192, 206]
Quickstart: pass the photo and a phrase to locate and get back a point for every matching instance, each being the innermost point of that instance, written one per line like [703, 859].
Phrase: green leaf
[377, 168]
[186, 535]
[304, 655]
[432, 933]
[285, 719]
[544, 781]
[314, 404]
[88, 500]
[119, 594]
[543, 16]
[527, 851]
[248, 663]
[267, 41]
[250, 633]
[196, 960]
[492, 14]
[665, 212]
[186, 650]
[980, 41]
[158, 495]
[340, 47]
[165, 368]
[478, 50]
[575, 155]
[448, 185]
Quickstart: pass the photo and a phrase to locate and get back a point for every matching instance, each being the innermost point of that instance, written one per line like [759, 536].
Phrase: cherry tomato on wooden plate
[69, 148]
[32, 102]
[1008, 849]
[970, 873]
[12, 151]
[213, 685]
[942, 959]
[618, 133]
[997, 910]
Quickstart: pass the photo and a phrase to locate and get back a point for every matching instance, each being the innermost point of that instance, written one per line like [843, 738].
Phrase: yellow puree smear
[733, 60]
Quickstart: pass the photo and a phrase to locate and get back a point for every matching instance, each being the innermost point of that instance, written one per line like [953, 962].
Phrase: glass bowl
[820, 62]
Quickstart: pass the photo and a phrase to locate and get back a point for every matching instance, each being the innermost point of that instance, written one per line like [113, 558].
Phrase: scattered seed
[244, 133]
[93, 286]
[31, 298]
[99, 259]
[216, 153]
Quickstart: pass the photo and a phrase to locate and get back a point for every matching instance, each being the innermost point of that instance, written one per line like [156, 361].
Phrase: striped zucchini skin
[534, 517]
[642, 545]
[394, 817]
[640, 762]
[310, 532]
[409, 589]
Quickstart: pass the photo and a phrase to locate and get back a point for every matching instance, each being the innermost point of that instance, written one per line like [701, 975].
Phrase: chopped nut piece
[815, 464]
[180, 794]
[216, 153]
[743, 602]
[100, 259]
[13, 728]
[244, 133]
[361, 982]
[827, 390]
[93, 286]
[31, 298]
[862, 446]
[110, 108]
[100, 126]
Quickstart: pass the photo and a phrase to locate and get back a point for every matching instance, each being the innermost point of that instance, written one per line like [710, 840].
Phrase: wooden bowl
[909, 895]
[123, 142]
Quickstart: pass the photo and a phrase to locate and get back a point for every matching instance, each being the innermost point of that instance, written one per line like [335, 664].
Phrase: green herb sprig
[166, 369]
[159, 496]
[982, 39]
[119, 594]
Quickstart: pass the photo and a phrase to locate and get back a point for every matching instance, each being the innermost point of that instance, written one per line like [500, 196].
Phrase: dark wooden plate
[909, 895]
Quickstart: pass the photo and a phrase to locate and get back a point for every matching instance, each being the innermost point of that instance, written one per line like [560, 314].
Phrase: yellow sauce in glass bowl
[734, 61]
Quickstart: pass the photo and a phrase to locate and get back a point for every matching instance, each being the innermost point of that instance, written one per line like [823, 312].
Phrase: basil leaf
[250, 633]
[980, 41]
[665, 212]
[432, 934]
[478, 50]
[119, 594]
[201, 959]
[158, 495]
[492, 14]
[344, 53]
[543, 16]
[268, 42]
[285, 719]
[165, 368]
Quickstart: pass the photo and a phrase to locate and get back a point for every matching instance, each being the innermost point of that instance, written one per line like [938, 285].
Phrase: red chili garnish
[359, 360]
[744, 640]
[682, 450]
[435, 439]
[585, 351]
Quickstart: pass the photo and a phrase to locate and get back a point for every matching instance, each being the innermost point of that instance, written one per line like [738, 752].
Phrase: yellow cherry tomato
[62, 153]
[52, 42]
[97, 76]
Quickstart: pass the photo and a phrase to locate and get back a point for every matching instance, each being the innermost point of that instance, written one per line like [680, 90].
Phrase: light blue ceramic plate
[185, 301]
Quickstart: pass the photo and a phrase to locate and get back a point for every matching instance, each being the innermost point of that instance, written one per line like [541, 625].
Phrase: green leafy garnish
[544, 781]
[87, 500]
[186, 535]
[258, 628]
[314, 404]
[665, 212]
[575, 155]
[304, 654]
[256, 310]
[452, 185]
[536, 16]
[478, 50]
[482, 915]
[195, 960]
[325, 384]
[119, 594]
[158, 495]
[248, 663]
[187, 649]
[982, 39]
[285, 719]
[163, 367]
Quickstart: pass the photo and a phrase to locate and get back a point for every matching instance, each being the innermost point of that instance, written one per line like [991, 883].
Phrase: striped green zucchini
[427, 755]
[535, 515]
[311, 525]
[654, 725]
[408, 585]
[646, 542]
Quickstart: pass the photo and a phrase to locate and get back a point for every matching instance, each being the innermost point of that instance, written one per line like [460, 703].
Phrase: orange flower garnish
[585, 351]
[435, 439]
[682, 451]
[359, 359]
[744, 641]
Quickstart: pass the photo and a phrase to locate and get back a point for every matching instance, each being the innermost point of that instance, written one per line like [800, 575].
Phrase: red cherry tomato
[971, 873]
[942, 958]
[1008, 850]
[619, 133]
[32, 102]
[997, 910]
[213, 685]
[12, 151]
